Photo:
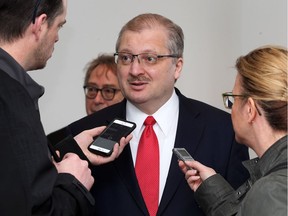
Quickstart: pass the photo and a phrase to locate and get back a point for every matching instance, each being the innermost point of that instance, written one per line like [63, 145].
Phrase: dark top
[30, 184]
[56, 136]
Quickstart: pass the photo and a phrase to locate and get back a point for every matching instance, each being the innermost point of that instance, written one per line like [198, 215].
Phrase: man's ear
[252, 110]
[178, 69]
[38, 26]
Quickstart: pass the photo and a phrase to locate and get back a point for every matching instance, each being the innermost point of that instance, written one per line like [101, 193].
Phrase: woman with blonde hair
[259, 115]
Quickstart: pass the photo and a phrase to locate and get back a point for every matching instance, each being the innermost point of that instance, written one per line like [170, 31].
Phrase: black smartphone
[104, 143]
[183, 155]
[53, 152]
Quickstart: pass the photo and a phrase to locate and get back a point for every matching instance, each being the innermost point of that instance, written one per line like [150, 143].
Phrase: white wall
[216, 33]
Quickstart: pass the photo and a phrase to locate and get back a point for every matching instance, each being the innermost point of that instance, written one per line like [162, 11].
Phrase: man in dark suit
[149, 57]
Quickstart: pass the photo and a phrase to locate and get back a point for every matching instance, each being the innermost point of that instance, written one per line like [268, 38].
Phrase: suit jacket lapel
[187, 123]
[125, 167]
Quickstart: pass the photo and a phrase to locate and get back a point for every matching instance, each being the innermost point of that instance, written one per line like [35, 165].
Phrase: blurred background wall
[216, 33]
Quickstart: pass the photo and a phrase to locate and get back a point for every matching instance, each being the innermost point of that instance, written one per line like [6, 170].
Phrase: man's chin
[37, 67]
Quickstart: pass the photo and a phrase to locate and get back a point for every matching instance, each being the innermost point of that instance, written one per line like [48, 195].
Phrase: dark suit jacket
[206, 132]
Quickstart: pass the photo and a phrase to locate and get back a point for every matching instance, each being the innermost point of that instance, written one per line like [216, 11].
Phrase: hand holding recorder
[195, 172]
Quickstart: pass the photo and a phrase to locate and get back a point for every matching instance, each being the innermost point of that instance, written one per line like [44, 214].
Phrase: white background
[216, 33]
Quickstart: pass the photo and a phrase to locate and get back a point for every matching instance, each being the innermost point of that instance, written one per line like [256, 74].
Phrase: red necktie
[147, 166]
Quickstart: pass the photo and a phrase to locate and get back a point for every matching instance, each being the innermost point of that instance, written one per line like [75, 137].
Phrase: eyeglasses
[35, 11]
[228, 99]
[147, 59]
[107, 93]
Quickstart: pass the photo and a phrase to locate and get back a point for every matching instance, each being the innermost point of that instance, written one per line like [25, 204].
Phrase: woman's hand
[195, 173]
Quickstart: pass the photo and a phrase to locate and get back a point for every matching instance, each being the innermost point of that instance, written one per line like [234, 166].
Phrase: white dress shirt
[165, 128]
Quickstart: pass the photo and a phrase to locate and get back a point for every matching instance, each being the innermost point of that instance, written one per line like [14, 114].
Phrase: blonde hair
[263, 74]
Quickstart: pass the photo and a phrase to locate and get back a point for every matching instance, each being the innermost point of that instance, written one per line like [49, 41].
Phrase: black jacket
[29, 183]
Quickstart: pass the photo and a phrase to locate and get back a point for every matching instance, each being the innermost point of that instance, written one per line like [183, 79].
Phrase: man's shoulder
[100, 118]
[200, 108]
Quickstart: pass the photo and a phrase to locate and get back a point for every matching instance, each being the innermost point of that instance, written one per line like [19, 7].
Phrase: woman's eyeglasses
[229, 98]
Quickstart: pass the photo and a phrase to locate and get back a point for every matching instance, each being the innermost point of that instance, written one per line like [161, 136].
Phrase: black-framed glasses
[147, 59]
[229, 97]
[35, 11]
[107, 93]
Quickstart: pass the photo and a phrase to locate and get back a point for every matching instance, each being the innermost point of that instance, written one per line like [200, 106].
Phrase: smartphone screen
[105, 142]
[117, 130]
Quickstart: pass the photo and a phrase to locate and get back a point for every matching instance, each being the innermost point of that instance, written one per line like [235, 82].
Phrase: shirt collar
[273, 155]
[9, 65]
[170, 108]
[258, 167]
